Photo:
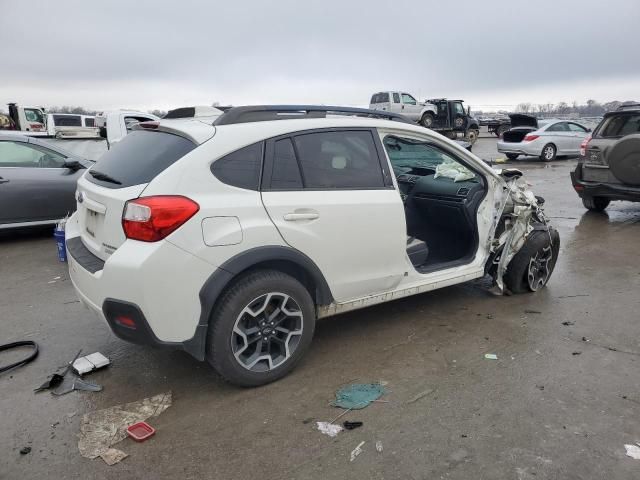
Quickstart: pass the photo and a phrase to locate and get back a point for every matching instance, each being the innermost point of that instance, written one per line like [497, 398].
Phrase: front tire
[427, 120]
[549, 152]
[595, 204]
[261, 328]
[531, 268]
[472, 136]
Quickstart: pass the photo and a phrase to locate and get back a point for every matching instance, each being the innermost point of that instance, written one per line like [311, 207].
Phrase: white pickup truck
[87, 141]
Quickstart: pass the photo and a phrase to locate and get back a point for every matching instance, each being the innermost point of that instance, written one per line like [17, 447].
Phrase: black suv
[609, 167]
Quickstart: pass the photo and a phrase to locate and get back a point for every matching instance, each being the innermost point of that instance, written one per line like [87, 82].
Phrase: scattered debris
[24, 361]
[379, 446]
[576, 353]
[568, 323]
[464, 435]
[329, 428]
[538, 352]
[140, 431]
[585, 339]
[76, 383]
[351, 425]
[307, 420]
[90, 363]
[633, 451]
[57, 378]
[540, 387]
[490, 356]
[420, 395]
[356, 451]
[358, 395]
[533, 311]
[25, 450]
[101, 429]
[574, 296]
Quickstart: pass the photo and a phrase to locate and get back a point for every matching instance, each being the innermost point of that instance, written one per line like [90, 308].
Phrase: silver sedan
[546, 139]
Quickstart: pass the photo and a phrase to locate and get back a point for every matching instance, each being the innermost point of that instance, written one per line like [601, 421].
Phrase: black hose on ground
[22, 343]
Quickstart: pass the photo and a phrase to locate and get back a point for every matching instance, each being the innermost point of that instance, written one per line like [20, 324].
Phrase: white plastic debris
[356, 451]
[633, 451]
[379, 446]
[490, 356]
[330, 429]
[90, 363]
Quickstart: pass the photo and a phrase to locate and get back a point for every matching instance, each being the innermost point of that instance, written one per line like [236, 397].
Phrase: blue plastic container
[62, 249]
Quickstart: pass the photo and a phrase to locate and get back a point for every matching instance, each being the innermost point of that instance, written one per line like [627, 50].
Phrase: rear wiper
[104, 177]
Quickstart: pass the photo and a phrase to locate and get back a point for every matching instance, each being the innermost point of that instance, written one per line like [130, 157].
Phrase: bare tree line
[590, 109]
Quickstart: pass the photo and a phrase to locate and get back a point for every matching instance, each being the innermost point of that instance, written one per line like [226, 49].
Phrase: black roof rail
[262, 113]
[630, 106]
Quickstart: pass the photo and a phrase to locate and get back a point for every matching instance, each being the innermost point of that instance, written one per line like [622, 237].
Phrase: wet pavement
[560, 402]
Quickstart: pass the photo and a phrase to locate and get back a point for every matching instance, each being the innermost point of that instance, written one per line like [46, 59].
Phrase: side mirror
[72, 165]
[588, 130]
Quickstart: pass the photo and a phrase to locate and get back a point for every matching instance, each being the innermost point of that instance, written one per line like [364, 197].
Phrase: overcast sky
[169, 53]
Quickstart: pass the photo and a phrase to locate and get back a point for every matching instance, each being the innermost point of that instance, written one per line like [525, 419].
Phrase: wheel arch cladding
[284, 259]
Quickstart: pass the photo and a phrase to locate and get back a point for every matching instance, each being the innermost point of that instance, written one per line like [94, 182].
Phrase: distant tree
[524, 108]
[70, 109]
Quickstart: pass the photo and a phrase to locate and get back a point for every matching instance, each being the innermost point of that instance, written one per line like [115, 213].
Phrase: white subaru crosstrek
[230, 239]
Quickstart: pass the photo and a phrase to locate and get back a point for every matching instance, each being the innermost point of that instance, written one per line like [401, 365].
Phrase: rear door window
[558, 127]
[574, 127]
[67, 120]
[339, 160]
[138, 158]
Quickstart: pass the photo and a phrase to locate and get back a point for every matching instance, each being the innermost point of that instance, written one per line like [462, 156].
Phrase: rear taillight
[150, 219]
[584, 145]
[530, 138]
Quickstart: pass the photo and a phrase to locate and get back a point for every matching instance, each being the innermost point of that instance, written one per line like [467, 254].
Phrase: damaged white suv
[230, 239]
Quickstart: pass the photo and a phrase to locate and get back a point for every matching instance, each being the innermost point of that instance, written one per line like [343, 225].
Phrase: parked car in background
[115, 125]
[268, 212]
[69, 125]
[609, 167]
[37, 181]
[545, 139]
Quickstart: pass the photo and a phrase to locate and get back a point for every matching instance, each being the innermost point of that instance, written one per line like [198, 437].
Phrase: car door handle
[294, 217]
[3, 180]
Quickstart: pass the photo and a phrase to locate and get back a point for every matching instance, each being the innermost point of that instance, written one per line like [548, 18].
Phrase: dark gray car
[609, 167]
[37, 181]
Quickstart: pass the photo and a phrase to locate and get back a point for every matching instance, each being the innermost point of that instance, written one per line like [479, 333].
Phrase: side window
[408, 99]
[339, 160]
[383, 97]
[285, 174]
[416, 157]
[558, 127]
[14, 154]
[33, 115]
[574, 127]
[89, 122]
[458, 108]
[67, 120]
[241, 168]
[396, 97]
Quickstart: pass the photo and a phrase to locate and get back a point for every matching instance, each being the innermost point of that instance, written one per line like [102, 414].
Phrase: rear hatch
[612, 128]
[120, 175]
[521, 125]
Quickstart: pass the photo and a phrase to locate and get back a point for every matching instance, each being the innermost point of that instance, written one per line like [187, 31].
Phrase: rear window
[382, 97]
[618, 126]
[89, 122]
[67, 120]
[138, 158]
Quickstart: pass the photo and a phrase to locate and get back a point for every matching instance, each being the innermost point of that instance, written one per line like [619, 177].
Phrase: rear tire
[427, 120]
[531, 268]
[512, 156]
[548, 153]
[260, 328]
[595, 204]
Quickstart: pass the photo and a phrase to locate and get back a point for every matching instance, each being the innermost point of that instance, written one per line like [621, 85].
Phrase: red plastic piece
[140, 431]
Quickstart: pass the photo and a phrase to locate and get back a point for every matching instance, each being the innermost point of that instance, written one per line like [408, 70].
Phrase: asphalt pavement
[560, 401]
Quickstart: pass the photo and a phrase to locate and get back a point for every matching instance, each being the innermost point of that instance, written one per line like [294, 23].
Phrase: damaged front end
[519, 215]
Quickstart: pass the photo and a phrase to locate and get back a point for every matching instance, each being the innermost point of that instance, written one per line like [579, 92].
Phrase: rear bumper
[612, 191]
[521, 148]
[157, 284]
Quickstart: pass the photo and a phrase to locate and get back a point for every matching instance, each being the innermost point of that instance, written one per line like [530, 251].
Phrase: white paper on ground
[633, 451]
[330, 429]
